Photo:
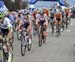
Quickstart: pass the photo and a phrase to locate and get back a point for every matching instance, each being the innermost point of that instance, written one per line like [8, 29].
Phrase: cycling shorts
[58, 19]
[41, 22]
[26, 25]
[4, 32]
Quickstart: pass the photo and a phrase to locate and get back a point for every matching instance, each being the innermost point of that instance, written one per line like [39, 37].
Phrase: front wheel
[5, 56]
[40, 39]
[58, 31]
[18, 35]
[23, 49]
[23, 45]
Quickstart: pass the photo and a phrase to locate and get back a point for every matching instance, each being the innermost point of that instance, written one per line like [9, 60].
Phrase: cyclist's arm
[46, 19]
[20, 24]
[37, 20]
[54, 17]
[7, 21]
[61, 17]
[30, 22]
[9, 25]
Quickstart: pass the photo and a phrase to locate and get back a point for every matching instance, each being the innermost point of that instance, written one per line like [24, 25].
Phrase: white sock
[30, 41]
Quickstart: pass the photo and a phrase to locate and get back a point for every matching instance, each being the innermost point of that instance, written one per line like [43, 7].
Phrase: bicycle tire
[58, 31]
[66, 23]
[18, 37]
[5, 58]
[23, 47]
[40, 39]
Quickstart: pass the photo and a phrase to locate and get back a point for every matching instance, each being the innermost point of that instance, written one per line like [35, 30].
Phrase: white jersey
[41, 18]
[6, 24]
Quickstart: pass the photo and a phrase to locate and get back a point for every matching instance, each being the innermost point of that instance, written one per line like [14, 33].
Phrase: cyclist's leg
[52, 26]
[29, 29]
[45, 29]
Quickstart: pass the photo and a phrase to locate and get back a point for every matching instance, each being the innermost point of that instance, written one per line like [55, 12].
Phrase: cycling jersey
[42, 19]
[10, 16]
[52, 14]
[6, 24]
[58, 15]
[67, 12]
[34, 15]
[26, 23]
[63, 13]
[20, 17]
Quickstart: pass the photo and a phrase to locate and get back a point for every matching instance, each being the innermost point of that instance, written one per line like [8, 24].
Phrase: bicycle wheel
[5, 56]
[40, 39]
[52, 27]
[1, 52]
[63, 25]
[13, 38]
[23, 45]
[11, 57]
[18, 35]
[58, 31]
[66, 23]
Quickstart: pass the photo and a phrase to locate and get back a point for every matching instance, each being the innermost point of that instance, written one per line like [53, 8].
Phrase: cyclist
[26, 24]
[67, 12]
[6, 29]
[42, 20]
[58, 17]
[63, 18]
[35, 14]
[10, 16]
[51, 19]
[20, 18]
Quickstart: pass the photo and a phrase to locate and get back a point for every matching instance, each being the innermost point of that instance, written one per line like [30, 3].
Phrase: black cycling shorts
[41, 22]
[66, 15]
[4, 32]
[58, 19]
[26, 25]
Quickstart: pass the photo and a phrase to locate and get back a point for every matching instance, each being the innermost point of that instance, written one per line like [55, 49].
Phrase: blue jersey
[11, 17]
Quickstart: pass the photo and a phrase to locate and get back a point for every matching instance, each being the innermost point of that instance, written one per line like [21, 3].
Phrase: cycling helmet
[2, 14]
[57, 11]
[26, 12]
[41, 12]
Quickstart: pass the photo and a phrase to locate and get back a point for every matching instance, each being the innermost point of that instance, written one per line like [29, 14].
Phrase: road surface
[55, 50]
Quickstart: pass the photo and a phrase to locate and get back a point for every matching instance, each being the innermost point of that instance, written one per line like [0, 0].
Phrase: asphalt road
[55, 50]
